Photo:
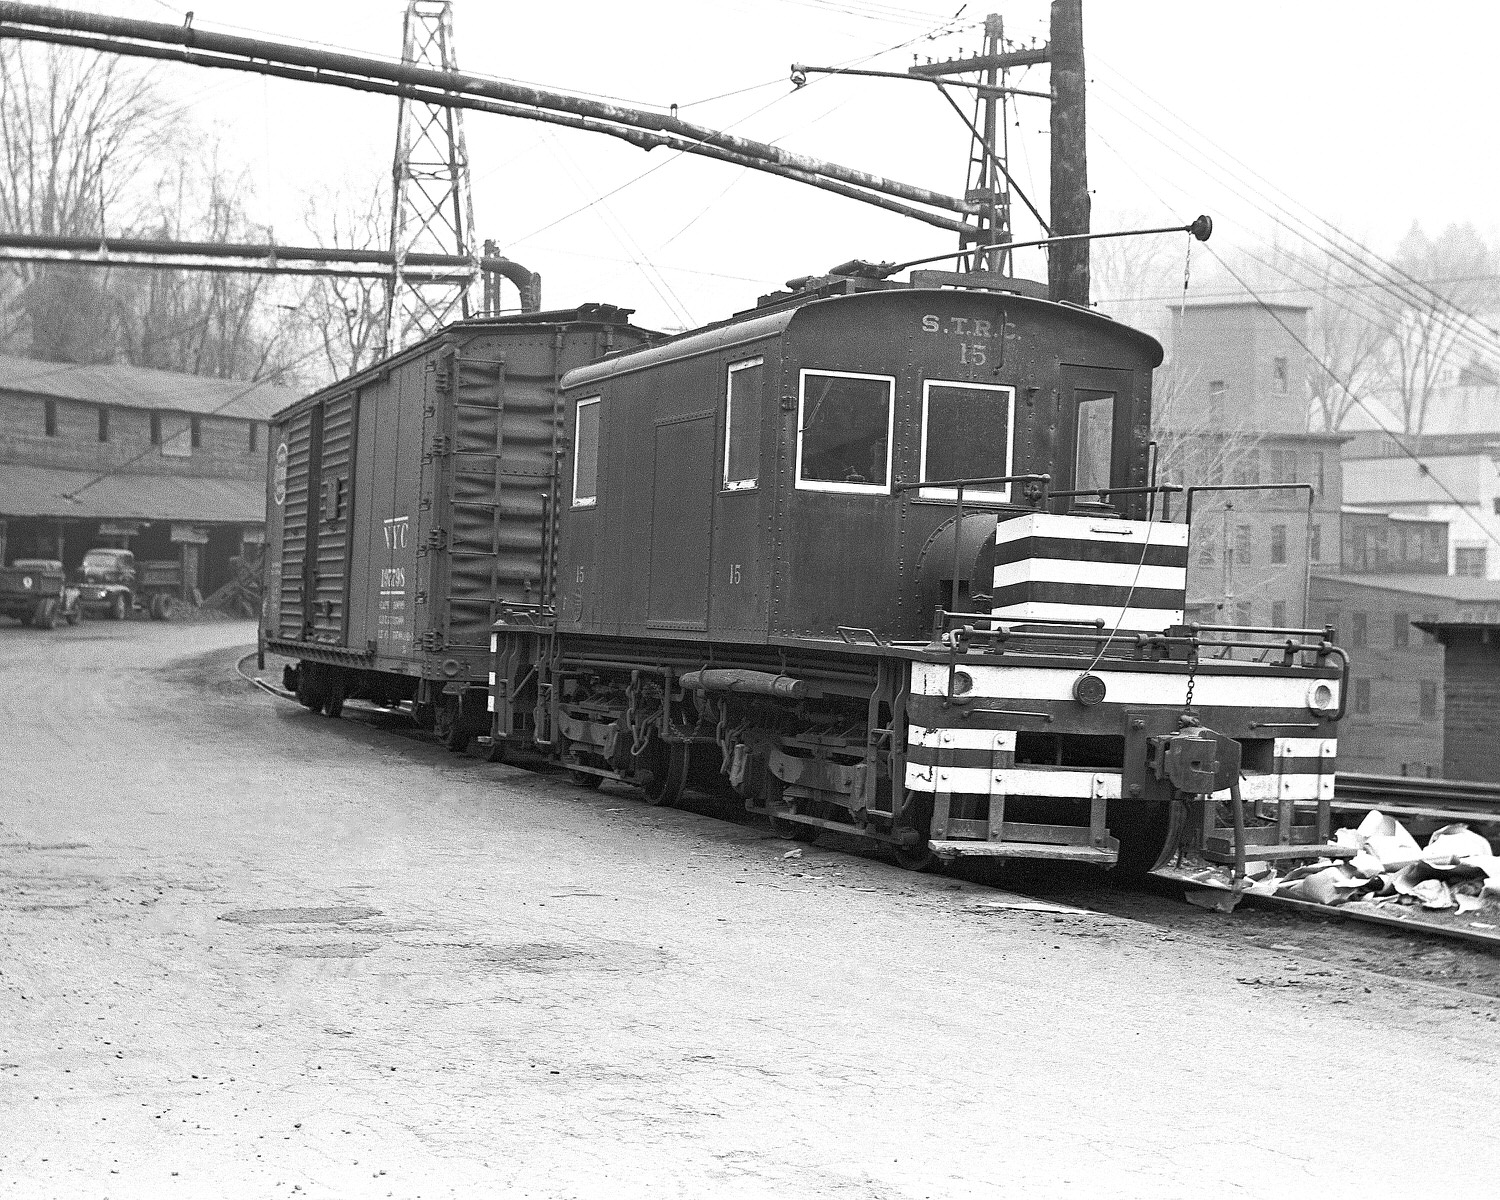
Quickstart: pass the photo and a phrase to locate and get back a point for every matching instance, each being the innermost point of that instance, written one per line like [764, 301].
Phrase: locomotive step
[978, 849]
[1223, 852]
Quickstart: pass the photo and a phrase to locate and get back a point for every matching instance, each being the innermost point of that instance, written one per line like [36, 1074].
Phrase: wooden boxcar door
[1095, 428]
[682, 495]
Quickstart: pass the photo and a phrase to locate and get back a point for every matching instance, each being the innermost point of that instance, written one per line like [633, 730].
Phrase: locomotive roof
[754, 326]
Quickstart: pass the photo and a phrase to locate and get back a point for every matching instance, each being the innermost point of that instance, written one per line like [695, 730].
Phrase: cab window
[1094, 441]
[742, 425]
[844, 432]
[586, 454]
[966, 434]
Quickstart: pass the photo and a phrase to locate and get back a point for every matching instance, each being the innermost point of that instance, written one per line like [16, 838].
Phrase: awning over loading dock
[27, 491]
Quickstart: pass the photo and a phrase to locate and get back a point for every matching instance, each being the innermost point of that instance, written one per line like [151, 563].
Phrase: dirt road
[247, 951]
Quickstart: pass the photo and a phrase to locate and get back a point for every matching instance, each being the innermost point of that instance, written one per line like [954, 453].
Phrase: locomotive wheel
[916, 858]
[795, 830]
[1147, 833]
[667, 772]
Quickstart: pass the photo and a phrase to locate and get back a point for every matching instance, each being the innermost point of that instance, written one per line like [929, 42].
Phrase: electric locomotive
[890, 560]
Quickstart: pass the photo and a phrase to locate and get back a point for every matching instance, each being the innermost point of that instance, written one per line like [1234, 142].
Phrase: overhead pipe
[455, 89]
[262, 259]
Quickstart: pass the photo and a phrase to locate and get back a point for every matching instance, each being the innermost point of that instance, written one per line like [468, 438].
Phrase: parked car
[111, 582]
[36, 591]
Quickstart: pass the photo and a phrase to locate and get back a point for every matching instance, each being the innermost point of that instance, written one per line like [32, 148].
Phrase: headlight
[1322, 697]
[963, 683]
[1088, 689]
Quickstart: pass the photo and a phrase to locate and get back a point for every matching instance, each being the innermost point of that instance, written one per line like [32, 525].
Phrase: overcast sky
[1370, 115]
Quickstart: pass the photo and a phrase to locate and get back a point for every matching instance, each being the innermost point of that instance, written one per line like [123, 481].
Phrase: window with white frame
[742, 425]
[586, 454]
[967, 434]
[844, 426]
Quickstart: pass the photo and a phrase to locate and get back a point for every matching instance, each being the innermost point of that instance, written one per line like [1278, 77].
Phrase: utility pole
[432, 210]
[1068, 264]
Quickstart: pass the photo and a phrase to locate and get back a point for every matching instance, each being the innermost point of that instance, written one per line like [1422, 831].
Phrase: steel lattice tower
[431, 207]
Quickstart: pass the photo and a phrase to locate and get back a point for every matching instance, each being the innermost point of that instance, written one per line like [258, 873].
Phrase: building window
[1317, 479]
[1278, 614]
[1206, 550]
[1469, 560]
[195, 428]
[1246, 471]
[742, 425]
[586, 457]
[254, 437]
[1242, 612]
[1362, 696]
[49, 417]
[844, 425]
[1281, 466]
[156, 429]
[1278, 543]
[1427, 703]
[1315, 543]
[1242, 535]
[1401, 630]
[1281, 380]
[1359, 635]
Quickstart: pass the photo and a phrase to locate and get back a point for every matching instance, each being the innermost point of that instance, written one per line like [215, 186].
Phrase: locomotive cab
[888, 560]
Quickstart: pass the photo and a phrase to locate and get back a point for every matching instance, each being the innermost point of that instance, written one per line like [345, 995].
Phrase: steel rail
[453, 89]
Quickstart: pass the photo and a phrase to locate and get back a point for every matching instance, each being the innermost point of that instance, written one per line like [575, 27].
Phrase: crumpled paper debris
[1456, 870]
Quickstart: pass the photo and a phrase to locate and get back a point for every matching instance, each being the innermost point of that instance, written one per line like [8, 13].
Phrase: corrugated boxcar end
[410, 501]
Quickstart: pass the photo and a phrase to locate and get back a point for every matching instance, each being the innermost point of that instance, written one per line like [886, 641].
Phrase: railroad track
[1405, 797]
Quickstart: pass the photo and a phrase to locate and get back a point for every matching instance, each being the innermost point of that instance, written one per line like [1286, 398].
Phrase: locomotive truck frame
[882, 559]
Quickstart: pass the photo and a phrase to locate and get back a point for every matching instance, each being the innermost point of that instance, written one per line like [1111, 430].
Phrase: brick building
[1395, 707]
[171, 466]
[1471, 697]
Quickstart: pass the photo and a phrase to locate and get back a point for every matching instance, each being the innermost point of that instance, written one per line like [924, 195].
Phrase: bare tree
[1425, 335]
[76, 132]
[345, 318]
[202, 323]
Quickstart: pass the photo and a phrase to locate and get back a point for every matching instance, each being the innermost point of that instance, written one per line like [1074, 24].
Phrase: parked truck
[111, 582]
[36, 592]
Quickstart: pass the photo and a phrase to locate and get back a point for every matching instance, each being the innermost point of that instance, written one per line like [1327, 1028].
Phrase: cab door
[682, 494]
[1095, 430]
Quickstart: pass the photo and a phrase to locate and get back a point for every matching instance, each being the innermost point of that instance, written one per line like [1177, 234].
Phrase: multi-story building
[171, 466]
[1233, 412]
[1454, 480]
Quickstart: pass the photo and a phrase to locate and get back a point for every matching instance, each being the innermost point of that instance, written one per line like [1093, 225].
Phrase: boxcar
[407, 504]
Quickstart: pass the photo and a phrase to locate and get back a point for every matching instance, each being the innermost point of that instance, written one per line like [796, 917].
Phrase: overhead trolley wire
[1422, 466]
[1361, 260]
[1467, 331]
